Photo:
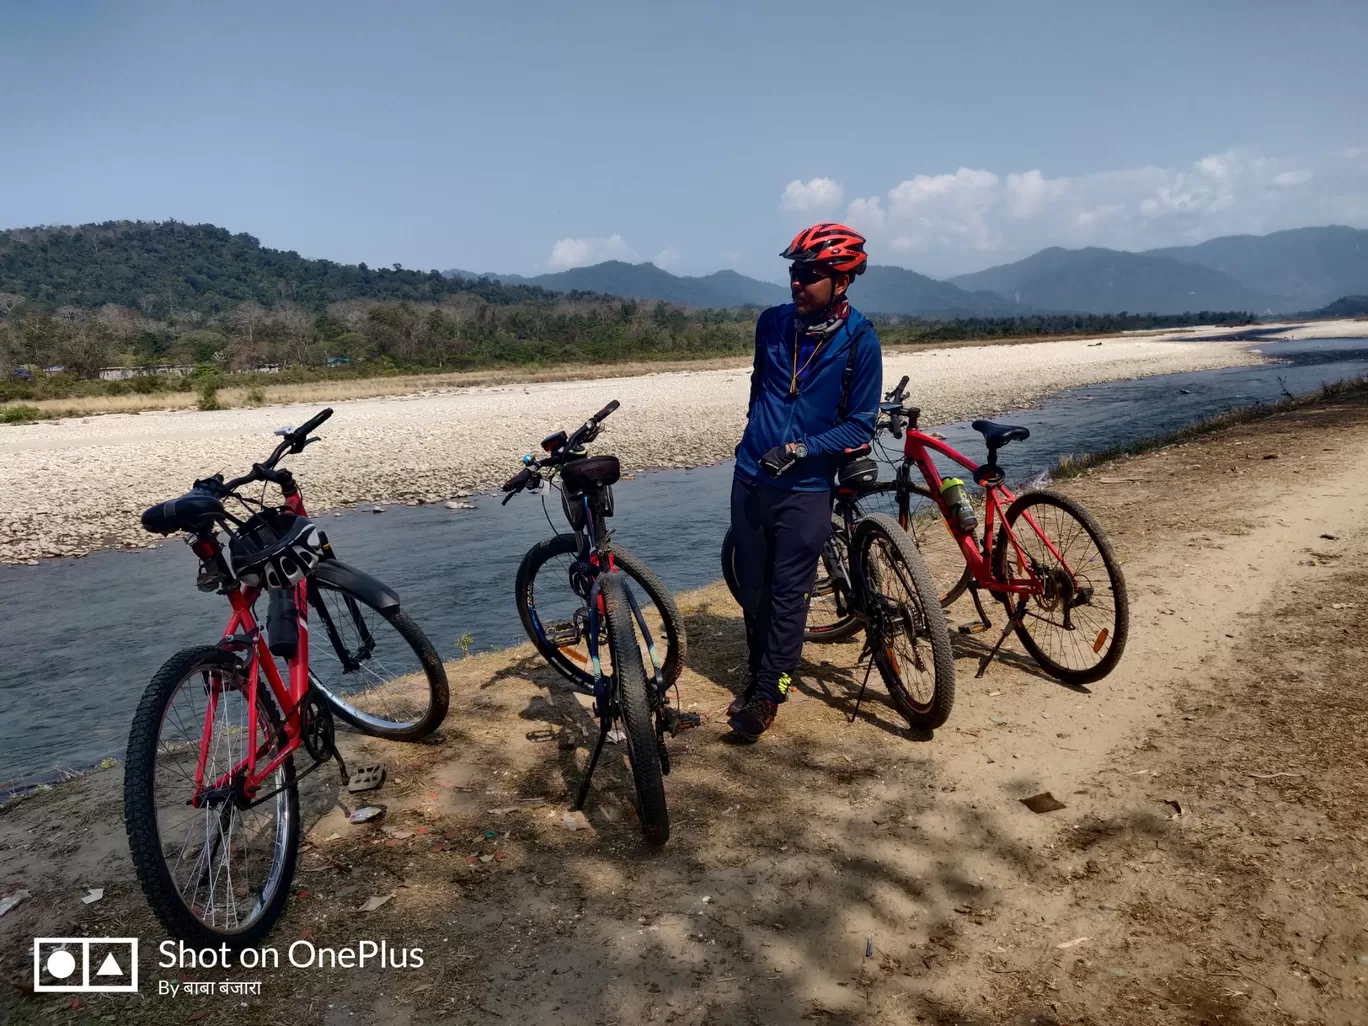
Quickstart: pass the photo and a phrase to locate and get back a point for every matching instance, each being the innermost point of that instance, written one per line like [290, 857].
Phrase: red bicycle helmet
[831, 245]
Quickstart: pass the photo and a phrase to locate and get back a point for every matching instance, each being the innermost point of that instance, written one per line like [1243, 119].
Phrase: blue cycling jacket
[811, 416]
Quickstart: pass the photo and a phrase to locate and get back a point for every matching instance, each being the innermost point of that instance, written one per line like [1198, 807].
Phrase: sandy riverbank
[68, 487]
[1205, 862]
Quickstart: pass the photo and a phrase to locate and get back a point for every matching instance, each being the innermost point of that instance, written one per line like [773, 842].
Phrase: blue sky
[527, 136]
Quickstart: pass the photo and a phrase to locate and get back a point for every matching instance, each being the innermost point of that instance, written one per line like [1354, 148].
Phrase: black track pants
[779, 536]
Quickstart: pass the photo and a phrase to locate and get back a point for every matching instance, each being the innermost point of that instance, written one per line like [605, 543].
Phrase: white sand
[67, 487]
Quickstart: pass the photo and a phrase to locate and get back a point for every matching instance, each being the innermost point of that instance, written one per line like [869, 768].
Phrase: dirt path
[1210, 855]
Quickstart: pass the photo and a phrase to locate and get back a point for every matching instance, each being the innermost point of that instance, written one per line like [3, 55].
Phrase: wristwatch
[800, 450]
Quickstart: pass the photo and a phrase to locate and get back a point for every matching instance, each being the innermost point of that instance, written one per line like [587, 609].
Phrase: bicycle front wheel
[555, 618]
[907, 627]
[217, 873]
[376, 668]
[1076, 623]
[923, 520]
[634, 704]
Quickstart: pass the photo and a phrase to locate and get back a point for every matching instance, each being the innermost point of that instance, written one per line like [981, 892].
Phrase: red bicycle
[1049, 562]
[211, 796]
[1057, 578]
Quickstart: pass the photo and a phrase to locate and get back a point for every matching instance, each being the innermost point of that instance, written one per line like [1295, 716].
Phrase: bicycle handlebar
[586, 432]
[294, 442]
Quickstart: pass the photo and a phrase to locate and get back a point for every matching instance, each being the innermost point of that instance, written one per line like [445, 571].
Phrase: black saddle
[191, 512]
[591, 472]
[998, 435]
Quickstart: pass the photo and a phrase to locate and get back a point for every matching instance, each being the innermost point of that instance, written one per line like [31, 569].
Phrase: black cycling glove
[778, 460]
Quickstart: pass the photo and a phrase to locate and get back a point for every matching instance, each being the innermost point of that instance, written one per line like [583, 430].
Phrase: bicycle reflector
[553, 442]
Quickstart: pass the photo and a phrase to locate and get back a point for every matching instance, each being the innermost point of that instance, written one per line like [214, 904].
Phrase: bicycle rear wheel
[218, 874]
[1076, 626]
[634, 703]
[555, 617]
[908, 632]
[828, 619]
[376, 668]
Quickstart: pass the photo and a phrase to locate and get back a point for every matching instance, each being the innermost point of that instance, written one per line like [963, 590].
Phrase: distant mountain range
[887, 290]
[1282, 273]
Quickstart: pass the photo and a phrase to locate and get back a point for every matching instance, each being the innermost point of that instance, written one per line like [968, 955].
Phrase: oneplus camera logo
[85, 965]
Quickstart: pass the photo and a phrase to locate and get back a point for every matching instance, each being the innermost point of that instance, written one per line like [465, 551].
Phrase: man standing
[814, 395]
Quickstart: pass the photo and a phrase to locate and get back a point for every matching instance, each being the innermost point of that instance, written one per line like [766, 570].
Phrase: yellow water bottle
[959, 509]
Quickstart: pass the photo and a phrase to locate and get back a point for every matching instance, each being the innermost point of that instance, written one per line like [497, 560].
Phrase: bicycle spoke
[221, 859]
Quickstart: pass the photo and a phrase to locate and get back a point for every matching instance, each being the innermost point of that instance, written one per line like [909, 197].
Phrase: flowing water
[80, 638]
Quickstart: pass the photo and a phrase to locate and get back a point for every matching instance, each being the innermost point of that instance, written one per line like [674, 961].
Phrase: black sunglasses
[807, 274]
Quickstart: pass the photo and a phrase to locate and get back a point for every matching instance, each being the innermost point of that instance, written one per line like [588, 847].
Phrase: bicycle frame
[594, 529]
[980, 562]
[243, 624]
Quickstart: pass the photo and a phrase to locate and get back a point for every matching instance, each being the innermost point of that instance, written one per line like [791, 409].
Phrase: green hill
[158, 267]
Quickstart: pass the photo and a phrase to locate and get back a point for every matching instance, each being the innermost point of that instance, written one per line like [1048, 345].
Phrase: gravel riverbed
[69, 487]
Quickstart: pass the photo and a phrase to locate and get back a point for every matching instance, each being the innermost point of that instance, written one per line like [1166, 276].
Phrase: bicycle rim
[227, 867]
[939, 549]
[1088, 646]
[377, 670]
[829, 619]
[910, 639]
[555, 616]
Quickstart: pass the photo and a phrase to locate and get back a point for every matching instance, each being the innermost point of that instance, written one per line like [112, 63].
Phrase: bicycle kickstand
[860, 697]
[1012, 621]
[604, 729]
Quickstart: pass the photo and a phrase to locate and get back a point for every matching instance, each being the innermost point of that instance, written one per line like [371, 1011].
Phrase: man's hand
[780, 459]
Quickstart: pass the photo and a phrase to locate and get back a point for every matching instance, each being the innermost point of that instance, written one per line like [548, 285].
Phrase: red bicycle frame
[980, 562]
[243, 623]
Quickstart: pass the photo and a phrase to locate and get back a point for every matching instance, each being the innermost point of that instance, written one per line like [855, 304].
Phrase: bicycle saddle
[190, 512]
[591, 472]
[998, 435]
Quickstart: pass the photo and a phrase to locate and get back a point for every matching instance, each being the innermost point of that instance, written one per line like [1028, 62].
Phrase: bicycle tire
[140, 808]
[581, 676]
[1119, 630]
[633, 700]
[928, 620]
[438, 695]
[918, 528]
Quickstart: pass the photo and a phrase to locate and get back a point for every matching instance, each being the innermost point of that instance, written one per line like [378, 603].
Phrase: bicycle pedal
[367, 778]
[975, 628]
[563, 633]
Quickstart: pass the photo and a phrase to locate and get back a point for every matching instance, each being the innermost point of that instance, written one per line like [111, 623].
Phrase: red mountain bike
[211, 798]
[1049, 562]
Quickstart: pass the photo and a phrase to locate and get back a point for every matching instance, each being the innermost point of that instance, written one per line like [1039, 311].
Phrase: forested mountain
[647, 281]
[1107, 280]
[1308, 266]
[160, 267]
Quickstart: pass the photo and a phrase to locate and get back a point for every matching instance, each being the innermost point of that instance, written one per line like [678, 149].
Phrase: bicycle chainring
[317, 728]
[582, 577]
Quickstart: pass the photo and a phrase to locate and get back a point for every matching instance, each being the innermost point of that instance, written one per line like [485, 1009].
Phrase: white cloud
[820, 194]
[1290, 178]
[669, 259]
[568, 253]
[964, 220]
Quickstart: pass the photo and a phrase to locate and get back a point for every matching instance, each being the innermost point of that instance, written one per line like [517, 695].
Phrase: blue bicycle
[577, 602]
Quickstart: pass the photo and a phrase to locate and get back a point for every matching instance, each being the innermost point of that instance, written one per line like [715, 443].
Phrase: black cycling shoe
[748, 692]
[753, 718]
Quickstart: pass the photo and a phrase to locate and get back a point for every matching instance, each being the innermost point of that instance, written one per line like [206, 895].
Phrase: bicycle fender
[348, 578]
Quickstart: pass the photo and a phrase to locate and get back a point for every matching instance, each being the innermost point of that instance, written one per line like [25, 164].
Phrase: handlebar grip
[518, 481]
[598, 417]
[303, 430]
